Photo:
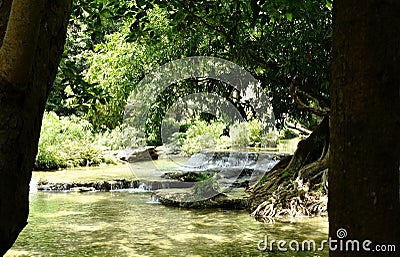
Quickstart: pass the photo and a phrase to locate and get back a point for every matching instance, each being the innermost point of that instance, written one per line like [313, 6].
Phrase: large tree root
[292, 200]
[297, 186]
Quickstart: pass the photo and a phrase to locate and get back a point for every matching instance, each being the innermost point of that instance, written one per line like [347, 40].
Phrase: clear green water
[125, 224]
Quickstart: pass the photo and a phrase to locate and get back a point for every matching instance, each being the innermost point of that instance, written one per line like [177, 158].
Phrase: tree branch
[263, 63]
[302, 130]
[302, 105]
[20, 41]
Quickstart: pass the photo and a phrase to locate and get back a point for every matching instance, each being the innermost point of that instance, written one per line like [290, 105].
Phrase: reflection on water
[125, 224]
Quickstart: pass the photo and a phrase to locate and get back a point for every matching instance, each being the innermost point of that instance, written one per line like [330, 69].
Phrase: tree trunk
[365, 124]
[32, 36]
[297, 184]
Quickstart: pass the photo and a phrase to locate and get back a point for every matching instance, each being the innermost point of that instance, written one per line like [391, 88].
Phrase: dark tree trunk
[23, 94]
[365, 124]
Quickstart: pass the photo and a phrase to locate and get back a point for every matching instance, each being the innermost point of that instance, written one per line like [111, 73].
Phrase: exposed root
[296, 187]
[292, 200]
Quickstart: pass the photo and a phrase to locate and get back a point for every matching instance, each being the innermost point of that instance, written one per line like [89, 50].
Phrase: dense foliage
[68, 142]
[112, 45]
[216, 135]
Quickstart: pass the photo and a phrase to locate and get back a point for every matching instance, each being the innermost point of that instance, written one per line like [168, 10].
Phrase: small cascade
[152, 185]
[134, 188]
[142, 187]
[233, 169]
[165, 185]
[153, 200]
[33, 185]
[237, 169]
[206, 160]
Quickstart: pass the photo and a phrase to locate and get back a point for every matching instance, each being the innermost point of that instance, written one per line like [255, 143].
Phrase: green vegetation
[210, 135]
[286, 45]
[67, 142]
[70, 141]
[207, 188]
[202, 136]
[112, 45]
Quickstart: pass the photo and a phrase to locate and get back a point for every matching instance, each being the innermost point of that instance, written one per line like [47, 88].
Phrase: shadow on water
[125, 224]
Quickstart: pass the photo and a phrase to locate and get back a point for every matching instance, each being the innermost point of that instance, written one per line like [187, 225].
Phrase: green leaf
[289, 16]
[329, 4]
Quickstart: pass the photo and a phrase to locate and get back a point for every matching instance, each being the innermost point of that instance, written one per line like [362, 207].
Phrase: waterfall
[33, 185]
[153, 200]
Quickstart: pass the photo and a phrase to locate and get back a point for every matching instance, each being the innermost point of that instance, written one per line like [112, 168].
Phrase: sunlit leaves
[112, 44]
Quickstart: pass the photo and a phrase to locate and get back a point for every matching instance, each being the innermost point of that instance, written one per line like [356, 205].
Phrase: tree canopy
[112, 45]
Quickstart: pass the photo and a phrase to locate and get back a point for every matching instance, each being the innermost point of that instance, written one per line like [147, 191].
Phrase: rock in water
[142, 154]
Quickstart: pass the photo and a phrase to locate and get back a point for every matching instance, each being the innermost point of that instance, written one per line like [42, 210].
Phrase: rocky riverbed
[208, 179]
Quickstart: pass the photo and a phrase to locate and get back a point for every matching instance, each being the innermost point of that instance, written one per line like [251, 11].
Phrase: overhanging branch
[316, 110]
[227, 36]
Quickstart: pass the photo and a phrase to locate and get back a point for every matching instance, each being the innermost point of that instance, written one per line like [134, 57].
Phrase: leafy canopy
[112, 45]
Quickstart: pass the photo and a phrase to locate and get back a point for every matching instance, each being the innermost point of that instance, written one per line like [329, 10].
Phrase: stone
[78, 186]
[236, 199]
[141, 154]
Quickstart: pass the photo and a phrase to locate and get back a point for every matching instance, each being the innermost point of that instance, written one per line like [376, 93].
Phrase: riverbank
[122, 176]
[208, 179]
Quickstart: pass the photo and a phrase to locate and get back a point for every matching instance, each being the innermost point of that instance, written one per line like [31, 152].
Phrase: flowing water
[129, 223]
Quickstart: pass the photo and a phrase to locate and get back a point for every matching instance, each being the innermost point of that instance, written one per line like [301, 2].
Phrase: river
[127, 223]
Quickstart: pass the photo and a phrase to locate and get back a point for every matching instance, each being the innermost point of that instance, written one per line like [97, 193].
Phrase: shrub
[120, 137]
[202, 135]
[239, 134]
[67, 142]
[255, 132]
[111, 139]
[247, 133]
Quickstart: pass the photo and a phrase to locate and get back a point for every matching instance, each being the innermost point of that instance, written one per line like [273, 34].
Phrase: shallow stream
[127, 223]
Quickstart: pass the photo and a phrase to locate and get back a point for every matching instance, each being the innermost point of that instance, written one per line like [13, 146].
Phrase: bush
[67, 142]
[255, 132]
[111, 139]
[247, 133]
[239, 134]
[121, 137]
[202, 135]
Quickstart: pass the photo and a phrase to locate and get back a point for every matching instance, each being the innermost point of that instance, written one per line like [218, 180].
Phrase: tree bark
[32, 39]
[20, 40]
[365, 124]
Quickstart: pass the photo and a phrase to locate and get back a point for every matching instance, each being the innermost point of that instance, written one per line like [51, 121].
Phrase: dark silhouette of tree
[365, 124]
[32, 36]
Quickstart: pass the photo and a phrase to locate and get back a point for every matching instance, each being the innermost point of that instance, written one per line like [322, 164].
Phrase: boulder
[147, 153]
